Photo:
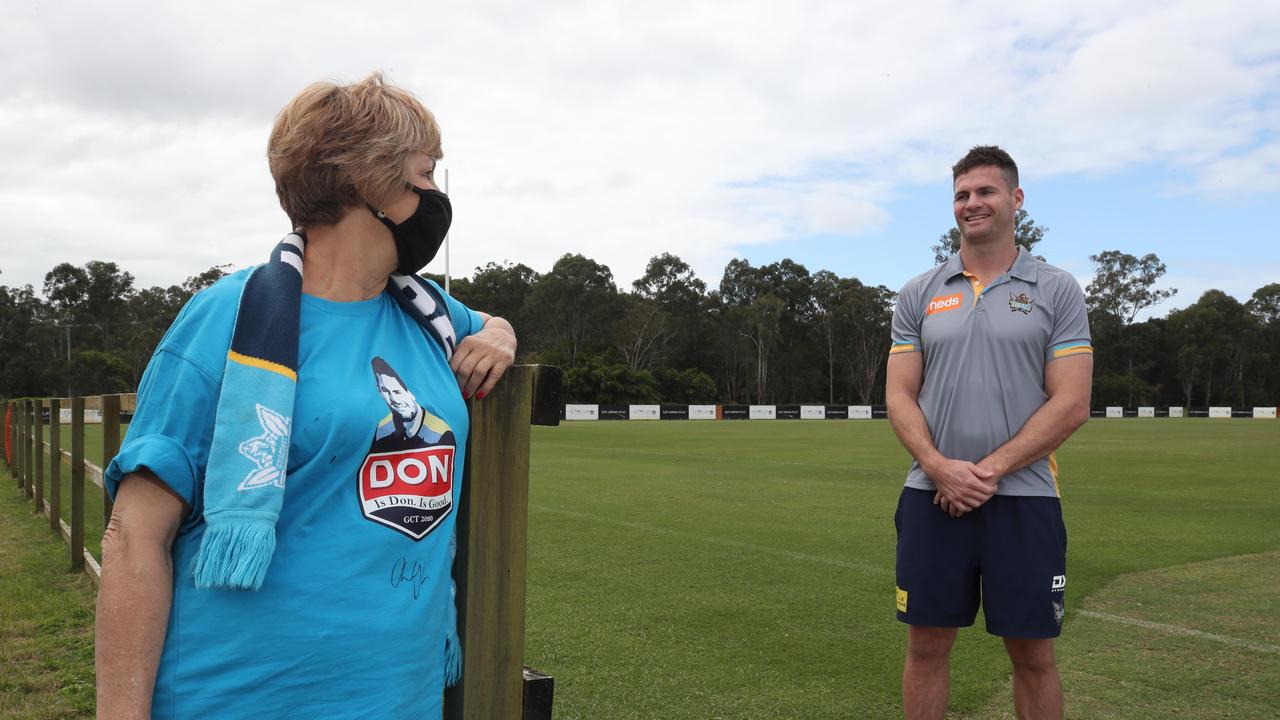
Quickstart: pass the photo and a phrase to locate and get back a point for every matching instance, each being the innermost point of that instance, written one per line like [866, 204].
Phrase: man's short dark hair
[380, 367]
[981, 155]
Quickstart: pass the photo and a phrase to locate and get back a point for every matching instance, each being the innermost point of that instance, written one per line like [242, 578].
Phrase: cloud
[1250, 173]
[135, 131]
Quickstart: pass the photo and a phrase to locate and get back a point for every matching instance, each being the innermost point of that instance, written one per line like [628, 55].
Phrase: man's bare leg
[1037, 689]
[926, 676]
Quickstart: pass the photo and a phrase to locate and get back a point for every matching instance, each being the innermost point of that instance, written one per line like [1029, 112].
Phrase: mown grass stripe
[725, 542]
[1183, 631]
[701, 457]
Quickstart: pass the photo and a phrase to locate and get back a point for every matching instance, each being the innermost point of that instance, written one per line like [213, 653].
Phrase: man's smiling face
[985, 205]
[400, 400]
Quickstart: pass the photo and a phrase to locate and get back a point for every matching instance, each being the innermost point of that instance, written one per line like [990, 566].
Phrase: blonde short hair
[338, 146]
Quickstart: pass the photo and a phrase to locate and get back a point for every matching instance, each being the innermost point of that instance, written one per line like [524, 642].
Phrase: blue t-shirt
[350, 620]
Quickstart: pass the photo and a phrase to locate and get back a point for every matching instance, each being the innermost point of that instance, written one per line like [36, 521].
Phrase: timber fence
[35, 455]
[492, 526]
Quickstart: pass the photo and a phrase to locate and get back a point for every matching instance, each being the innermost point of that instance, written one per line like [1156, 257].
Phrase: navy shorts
[1009, 555]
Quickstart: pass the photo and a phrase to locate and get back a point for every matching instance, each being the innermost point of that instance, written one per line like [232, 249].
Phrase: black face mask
[419, 238]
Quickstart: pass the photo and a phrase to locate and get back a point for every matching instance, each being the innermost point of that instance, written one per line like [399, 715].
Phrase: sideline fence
[26, 451]
[492, 523]
[855, 412]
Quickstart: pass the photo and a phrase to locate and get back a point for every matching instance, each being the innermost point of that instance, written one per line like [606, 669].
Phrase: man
[989, 373]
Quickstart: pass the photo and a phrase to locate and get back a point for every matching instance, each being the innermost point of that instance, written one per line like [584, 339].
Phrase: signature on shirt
[401, 572]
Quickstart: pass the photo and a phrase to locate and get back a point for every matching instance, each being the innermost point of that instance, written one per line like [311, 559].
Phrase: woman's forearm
[134, 597]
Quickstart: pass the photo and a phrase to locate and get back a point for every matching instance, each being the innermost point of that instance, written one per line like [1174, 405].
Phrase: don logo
[406, 479]
[410, 490]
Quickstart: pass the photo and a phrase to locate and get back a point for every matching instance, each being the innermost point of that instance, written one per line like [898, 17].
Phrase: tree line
[768, 334]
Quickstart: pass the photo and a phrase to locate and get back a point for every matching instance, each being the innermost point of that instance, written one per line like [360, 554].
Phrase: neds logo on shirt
[406, 479]
[943, 303]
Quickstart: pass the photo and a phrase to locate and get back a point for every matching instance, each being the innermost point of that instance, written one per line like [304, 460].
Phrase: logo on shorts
[1059, 583]
[1021, 303]
[943, 303]
[1059, 613]
[902, 600]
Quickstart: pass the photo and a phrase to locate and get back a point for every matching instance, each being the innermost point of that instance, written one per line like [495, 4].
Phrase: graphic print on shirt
[1021, 303]
[943, 303]
[406, 480]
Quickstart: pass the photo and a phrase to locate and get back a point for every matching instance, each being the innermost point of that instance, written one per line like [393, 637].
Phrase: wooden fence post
[77, 483]
[15, 431]
[28, 448]
[19, 441]
[110, 446]
[55, 463]
[15, 425]
[37, 440]
[7, 418]
[491, 561]
[6, 410]
[11, 409]
[10, 442]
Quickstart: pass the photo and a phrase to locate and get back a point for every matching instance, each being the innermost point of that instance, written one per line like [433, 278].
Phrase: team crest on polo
[406, 480]
[1021, 303]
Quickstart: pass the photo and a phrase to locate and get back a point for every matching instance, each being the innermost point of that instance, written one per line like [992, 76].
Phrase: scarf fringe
[452, 645]
[235, 555]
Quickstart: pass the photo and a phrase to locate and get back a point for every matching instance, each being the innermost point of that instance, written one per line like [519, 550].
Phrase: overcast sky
[135, 132]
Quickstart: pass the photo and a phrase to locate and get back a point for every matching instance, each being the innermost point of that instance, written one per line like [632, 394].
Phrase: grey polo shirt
[985, 351]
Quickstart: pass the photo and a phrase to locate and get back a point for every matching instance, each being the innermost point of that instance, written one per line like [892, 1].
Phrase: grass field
[745, 570]
[46, 619]
[708, 570]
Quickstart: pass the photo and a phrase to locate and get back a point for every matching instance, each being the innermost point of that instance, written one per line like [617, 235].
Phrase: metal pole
[446, 238]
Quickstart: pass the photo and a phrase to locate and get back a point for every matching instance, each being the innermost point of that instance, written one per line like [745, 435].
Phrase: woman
[283, 529]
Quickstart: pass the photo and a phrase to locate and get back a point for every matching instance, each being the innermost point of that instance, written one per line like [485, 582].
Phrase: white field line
[740, 459]
[1184, 632]
[762, 549]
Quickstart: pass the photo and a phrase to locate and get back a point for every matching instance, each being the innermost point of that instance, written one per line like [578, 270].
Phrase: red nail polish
[465, 396]
[479, 395]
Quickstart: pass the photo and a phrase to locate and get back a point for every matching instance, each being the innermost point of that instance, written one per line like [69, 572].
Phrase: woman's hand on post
[481, 359]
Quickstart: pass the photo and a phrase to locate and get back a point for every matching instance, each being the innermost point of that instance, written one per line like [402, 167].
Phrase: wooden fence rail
[493, 518]
[36, 464]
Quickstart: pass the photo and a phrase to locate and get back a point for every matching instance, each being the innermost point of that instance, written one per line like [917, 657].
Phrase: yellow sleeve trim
[267, 365]
[901, 348]
[1079, 350]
